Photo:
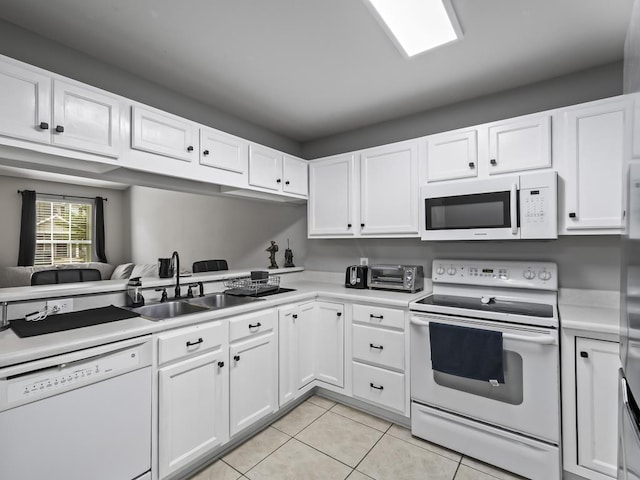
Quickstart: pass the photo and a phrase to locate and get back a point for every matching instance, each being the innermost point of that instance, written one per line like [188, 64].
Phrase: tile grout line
[288, 440]
[361, 423]
[372, 447]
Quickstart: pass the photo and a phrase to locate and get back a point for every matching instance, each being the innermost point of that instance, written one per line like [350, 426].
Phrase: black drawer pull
[190, 148]
[236, 358]
[256, 325]
[379, 317]
[205, 153]
[295, 315]
[378, 347]
[287, 182]
[472, 165]
[60, 129]
[377, 387]
[572, 214]
[348, 225]
[220, 364]
[44, 126]
[584, 354]
[191, 344]
[493, 162]
[339, 314]
[279, 180]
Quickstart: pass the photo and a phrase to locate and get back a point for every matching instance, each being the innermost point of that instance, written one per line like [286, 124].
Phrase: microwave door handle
[514, 206]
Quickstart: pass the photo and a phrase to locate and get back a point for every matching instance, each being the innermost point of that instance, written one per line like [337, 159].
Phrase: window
[63, 232]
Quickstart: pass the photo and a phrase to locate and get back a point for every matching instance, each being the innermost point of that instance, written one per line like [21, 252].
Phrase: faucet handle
[163, 298]
[200, 289]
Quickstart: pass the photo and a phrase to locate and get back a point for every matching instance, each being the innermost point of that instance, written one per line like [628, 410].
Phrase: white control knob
[486, 300]
[544, 275]
[440, 270]
[451, 271]
[529, 274]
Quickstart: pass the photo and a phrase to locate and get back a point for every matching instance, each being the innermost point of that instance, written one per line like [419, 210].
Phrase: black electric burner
[497, 306]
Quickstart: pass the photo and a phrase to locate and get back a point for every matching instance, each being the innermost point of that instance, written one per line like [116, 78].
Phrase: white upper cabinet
[162, 133]
[452, 155]
[273, 170]
[86, 120]
[25, 99]
[295, 175]
[520, 144]
[596, 143]
[389, 190]
[332, 196]
[223, 151]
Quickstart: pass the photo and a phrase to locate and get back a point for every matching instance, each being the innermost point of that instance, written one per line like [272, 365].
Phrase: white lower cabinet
[253, 365]
[193, 395]
[379, 357]
[329, 342]
[597, 364]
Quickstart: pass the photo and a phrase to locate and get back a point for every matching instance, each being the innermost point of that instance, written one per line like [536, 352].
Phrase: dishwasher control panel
[35, 383]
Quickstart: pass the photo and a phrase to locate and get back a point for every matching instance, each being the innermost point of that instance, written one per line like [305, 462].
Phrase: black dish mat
[70, 321]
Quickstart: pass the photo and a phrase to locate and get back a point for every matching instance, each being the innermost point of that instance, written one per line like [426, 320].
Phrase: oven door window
[479, 210]
[509, 392]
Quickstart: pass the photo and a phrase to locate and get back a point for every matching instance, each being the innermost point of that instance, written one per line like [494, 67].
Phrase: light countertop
[590, 311]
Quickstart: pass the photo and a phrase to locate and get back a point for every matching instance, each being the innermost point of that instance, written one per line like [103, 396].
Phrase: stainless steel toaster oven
[405, 278]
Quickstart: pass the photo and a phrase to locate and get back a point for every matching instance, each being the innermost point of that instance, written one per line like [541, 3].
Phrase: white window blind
[63, 232]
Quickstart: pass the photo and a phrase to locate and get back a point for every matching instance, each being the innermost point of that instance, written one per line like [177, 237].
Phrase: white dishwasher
[78, 416]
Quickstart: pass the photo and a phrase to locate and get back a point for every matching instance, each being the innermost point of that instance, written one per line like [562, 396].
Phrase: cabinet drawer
[388, 317]
[375, 345]
[187, 341]
[251, 324]
[379, 386]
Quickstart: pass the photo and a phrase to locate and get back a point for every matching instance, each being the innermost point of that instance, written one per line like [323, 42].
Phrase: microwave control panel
[538, 209]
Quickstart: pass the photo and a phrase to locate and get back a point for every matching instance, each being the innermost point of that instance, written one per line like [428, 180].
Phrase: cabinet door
[389, 190]
[220, 150]
[306, 345]
[329, 341]
[192, 412]
[295, 176]
[287, 350]
[86, 120]
[595, 150]
[332, 196]
[25, 97]
[636, 127]
[597, 364]
[158, 132]
[265, 168]
[253, 381]
[522, 144]
[452, 155]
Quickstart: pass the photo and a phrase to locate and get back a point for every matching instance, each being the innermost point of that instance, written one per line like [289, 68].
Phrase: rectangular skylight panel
[418, 25]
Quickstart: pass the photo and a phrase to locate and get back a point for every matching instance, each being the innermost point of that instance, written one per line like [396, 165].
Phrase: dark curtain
[101, 255]
[27, 252]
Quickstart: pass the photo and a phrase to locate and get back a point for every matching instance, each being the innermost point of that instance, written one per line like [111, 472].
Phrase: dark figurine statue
[272, 254]
[288, 257]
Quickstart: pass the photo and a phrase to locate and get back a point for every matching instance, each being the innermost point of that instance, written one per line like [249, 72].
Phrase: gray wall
[600, 82]
[632, 52]
[31, 48]
[12, 203]
[201, 227]
[583, 262]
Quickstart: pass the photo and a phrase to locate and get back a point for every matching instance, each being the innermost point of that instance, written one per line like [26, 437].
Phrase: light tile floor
[324, 440]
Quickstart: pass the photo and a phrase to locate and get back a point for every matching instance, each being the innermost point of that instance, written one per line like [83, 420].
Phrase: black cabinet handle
[493, 162]
[205, 153]
[339, 314]
[59, 129]
[220, 364]
[472, 165]
[287, 182]
[190, 148]
[236, 357]
[572, 214]
[279, 180]
[295, 315]
[362, 225]
[348, 225]
[44, 126]
[255, 326]
[379, 317]
[378, 347]
[377, 387]
[191, 344]
[584, 354]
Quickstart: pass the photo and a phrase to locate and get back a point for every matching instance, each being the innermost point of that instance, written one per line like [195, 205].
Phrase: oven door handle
[513, 209]
[540, 339]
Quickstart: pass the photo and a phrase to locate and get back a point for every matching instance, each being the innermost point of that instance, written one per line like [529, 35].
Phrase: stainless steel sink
[162, 311]
[220, 300]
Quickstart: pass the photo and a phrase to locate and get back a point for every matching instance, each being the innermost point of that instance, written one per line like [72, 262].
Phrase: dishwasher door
[97, 428]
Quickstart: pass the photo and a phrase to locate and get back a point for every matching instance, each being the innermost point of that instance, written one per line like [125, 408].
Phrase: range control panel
[532, 275]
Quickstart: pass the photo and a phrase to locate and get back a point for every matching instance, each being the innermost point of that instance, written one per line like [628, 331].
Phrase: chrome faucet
[177, 257]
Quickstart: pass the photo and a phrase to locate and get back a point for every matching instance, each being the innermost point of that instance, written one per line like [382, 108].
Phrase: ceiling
[307, 69]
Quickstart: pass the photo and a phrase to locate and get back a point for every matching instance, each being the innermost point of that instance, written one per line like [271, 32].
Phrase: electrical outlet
[60, 306]
[364, 261]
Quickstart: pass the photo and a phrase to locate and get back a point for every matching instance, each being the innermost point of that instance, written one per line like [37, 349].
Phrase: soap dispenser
[134, 296]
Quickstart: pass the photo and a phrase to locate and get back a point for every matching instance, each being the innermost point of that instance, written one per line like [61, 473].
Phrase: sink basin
[161, 311]
[220, 300]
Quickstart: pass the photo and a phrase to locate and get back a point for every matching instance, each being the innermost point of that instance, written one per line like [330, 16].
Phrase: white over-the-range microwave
[510, 207]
